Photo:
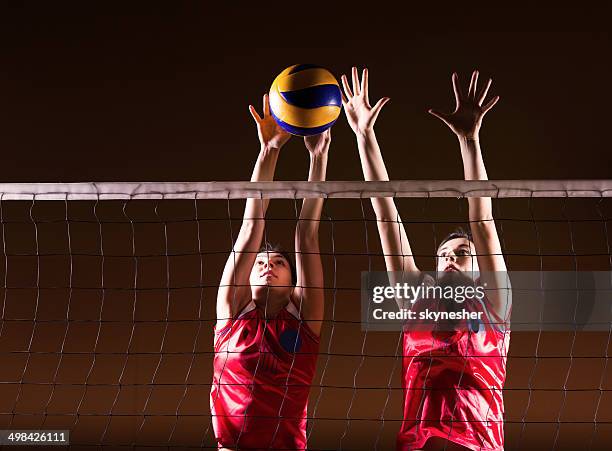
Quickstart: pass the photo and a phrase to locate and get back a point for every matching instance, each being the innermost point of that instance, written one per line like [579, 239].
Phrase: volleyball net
[109, 290]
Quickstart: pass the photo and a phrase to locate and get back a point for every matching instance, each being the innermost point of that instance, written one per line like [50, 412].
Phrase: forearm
[374, 169]
[265, 166]
[372, 163]
[396, 248]
[482, 225]
[480, 208]
[309, 285]
[310, 213]
[253, 223]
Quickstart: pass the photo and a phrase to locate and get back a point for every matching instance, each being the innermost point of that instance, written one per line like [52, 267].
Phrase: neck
[270, 306]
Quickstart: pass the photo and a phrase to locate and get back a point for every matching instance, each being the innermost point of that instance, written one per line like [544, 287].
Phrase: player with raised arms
[452, 382]
[269, 315]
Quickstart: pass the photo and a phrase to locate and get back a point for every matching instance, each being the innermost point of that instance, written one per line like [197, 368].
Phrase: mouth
[451, 268]
[268, 274]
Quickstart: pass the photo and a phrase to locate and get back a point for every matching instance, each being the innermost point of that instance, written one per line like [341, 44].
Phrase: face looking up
[458, 254]
[271, 270]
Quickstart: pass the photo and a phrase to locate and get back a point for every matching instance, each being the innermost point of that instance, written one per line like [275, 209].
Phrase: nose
[450, 256]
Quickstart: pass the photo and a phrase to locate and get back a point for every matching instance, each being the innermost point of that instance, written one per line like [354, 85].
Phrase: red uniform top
[452, 383]
[262, 375]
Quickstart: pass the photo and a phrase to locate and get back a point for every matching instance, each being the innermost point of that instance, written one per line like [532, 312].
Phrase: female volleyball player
[269, 315]
[452, 381]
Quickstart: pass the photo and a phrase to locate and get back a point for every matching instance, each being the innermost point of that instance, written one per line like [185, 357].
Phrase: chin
[455, 278]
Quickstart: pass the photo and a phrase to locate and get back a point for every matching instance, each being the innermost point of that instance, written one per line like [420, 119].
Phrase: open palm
[269, 132]
[466, 120]
[360, 114]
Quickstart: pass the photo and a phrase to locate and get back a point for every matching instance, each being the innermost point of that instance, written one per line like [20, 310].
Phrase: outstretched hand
[318, 144]
[360, 114]
[269, 132]
[466, 120]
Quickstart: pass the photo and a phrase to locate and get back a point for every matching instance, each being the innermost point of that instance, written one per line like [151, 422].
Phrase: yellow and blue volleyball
[305, 99]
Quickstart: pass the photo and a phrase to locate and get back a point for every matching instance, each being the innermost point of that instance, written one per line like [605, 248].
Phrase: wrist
[269, 147]
[364, 134]
[318, 158]
[469, 139]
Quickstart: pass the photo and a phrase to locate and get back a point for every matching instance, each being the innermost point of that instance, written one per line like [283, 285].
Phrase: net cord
[302, 189]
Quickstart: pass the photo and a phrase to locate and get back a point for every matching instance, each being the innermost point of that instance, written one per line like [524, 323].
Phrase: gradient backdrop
[137, 92]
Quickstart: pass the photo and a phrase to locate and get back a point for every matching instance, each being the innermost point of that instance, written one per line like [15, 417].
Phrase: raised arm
[361, 117]
[309, 293]
[234, 290]
[466, 122]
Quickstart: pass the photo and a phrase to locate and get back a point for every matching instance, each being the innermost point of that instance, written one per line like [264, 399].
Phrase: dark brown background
[131, 92]
[104, 91]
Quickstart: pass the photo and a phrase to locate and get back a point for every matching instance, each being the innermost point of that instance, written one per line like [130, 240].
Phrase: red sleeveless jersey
[263, 370]
[452, 383]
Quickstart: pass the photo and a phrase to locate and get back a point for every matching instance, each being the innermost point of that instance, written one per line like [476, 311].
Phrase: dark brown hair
[459, 232]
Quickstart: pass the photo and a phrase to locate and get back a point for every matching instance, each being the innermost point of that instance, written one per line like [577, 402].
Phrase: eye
[280, 262]
[463, 252]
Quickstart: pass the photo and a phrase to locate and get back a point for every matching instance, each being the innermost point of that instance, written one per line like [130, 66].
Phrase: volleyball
[305, 99]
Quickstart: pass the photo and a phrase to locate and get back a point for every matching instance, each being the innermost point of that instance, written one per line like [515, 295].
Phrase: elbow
[387, 223]
[307, 239]
[307, 229]
[247, 230]
[483, 227]
[251, 226]
[250, 232]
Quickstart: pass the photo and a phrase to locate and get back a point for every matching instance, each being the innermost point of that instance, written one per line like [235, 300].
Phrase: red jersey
[263, 370]
[452, 383]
